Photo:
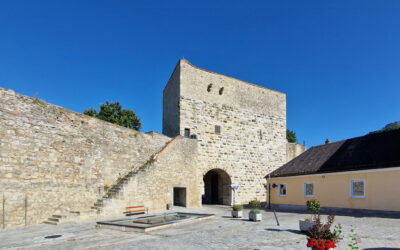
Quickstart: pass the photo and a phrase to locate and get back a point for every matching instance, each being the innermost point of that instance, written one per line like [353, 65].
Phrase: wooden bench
[135, 210]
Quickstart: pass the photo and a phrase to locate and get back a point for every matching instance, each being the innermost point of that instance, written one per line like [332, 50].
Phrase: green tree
[291, 136]
[113, 112]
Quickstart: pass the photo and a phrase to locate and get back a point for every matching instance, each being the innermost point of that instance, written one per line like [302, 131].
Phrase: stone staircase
[117, 188]
[56, 218]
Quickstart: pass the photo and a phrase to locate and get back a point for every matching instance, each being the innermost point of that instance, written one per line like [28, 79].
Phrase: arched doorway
[217, 187]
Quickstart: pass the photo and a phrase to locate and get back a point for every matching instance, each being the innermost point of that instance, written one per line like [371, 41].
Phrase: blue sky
[337, 61]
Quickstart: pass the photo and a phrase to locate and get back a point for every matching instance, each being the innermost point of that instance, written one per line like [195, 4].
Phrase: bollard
[276, 218]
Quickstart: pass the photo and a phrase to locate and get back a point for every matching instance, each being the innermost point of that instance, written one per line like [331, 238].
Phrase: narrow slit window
[187, 132]
[209, 87]
[217, 129]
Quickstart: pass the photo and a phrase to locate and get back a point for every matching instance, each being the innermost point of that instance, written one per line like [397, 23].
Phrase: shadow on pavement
[286, 230]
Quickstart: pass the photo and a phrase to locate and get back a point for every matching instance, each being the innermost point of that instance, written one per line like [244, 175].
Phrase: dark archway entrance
[217, 187]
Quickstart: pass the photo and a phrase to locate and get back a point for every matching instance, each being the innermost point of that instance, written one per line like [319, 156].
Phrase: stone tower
[240, 128]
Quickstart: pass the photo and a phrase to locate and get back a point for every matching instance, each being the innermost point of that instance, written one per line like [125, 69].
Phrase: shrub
[237, 207]
[255, 211]
[313, 205]
[255, 203]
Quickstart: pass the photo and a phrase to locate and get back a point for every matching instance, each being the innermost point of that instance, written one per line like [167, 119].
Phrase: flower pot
[237, 214]
[306, 225]
[255, 217]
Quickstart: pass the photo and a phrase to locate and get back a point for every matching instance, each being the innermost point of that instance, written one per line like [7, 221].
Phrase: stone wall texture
[153, 186]
[252, 121]
[63, 161]
[293, 150]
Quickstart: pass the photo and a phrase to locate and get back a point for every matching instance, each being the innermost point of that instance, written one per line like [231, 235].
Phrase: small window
[221, 90]
[282, 189]
[308, 189]
[209, 87]
[357, 188]
[217, 129]
[187, 132]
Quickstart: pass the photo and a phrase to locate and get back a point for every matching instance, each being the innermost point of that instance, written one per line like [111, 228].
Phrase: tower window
[217, 129]
[187, 132]
[221, 90]
[209, 87]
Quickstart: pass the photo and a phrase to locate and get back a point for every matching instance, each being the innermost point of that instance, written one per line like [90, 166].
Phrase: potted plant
[313, 206]
[255, 215]
[320, 235]
[237, 211]
[255, 203]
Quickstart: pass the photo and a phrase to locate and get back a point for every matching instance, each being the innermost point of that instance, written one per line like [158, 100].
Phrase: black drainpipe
[269, 192]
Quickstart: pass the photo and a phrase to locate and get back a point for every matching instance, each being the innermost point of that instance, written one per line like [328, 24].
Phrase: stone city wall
[61, 160]
[153, 186]
[293, 150]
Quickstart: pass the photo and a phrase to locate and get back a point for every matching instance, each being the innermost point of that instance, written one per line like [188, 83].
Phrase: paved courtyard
[221, 232]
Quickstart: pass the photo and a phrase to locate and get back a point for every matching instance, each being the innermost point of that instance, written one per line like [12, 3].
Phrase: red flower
[311, 242]
[330, 244]
[321, 244]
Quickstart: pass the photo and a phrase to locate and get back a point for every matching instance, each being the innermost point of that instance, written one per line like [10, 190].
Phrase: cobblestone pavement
[222, 232]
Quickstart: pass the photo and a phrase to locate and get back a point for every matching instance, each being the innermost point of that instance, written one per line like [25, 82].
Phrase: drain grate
[53, 236]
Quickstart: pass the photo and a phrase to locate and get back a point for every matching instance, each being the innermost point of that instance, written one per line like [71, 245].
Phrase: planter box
[237, 214]
[255, 217]
[306, 225]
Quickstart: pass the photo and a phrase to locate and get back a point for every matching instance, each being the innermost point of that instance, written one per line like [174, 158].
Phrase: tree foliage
[389, 127]
[291, 136]
[113, 112]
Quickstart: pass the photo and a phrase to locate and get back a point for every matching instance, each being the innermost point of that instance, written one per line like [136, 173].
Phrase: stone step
[53, 219]
[58, 216]
[50, 223]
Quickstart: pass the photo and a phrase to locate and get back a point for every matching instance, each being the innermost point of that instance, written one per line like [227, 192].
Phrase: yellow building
[358, 173]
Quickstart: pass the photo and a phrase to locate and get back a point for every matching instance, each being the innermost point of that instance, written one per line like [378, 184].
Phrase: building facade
[357, 173]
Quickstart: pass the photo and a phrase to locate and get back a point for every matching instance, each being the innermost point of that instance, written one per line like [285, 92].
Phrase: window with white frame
[282, 189]
[357, 188]
[308, 189]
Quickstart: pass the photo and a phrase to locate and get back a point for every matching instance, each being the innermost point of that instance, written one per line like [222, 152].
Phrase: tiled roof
[372, 151]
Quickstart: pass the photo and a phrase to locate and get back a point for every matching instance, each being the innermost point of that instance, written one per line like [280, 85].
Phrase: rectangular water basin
[153, 222]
